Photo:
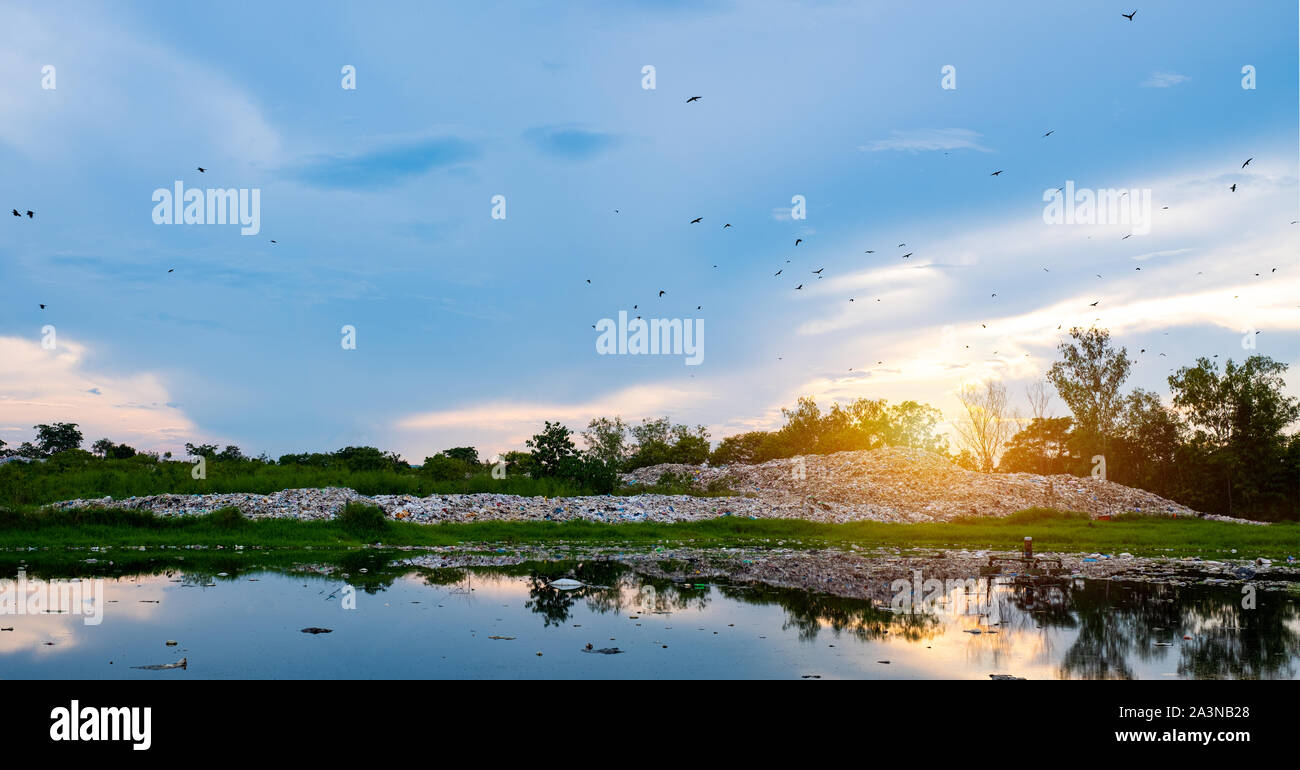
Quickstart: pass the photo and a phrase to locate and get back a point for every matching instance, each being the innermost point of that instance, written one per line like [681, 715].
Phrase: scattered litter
[182, 663]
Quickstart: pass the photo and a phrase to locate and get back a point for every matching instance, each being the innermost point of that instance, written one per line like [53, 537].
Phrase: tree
[550, 448]
[985, 423]
[1238, 418]
[466, 454]
[207, 451]
[102, 447]
[606, 439]
[1040, 447]
[59, 437]
[441, 467]
[913, 425]
[741, 448]
[1148, 440]
[1088, 378]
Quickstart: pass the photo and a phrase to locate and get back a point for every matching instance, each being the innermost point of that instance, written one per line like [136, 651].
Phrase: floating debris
[315, 630]
[182, 663]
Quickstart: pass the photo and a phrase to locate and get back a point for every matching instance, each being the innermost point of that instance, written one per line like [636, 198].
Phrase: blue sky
[473, 330]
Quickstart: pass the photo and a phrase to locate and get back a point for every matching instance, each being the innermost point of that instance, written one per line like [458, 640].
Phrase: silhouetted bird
[30, 215]
[818, 271]
[995, 173]
[1247, 163]
[798, 241]
[1049, 133]
[1129, 16]
[202, 169]
[696, 220]
[16, 213]
[724, 227]
[42, 307]
[1233, 188]
[694, 99]
[797, 288]
[661, 292]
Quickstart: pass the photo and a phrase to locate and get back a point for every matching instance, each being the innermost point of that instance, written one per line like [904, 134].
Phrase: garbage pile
[898, 484]
[895, 485]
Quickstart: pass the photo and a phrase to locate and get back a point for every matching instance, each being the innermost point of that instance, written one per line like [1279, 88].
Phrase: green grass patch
[361, 524]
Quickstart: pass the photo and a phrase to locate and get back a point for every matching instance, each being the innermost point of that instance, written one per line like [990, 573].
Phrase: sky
[472, 328]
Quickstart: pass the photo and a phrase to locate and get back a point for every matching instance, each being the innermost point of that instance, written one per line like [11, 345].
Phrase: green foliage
[1088, 379]
[465, 454]
[1042, 446]
[229, 517]
[549, 448]
[362, 520]
[58, 437]
[441, 467]
[859, 425]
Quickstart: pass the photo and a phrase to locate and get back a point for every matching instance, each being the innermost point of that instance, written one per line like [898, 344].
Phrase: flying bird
[724, 227]
[872, 251]
[696, 220]
[818, 271]
[16, 213]
[778, 272]
[172, 270]
[908, 254]
[798, 241]
[797, 288]
[995, 173]
[694, 99]
[1129, 16]
[1094, 304]
[201, 169]
[1049, 133]
[1233, 188]
[1247, 163]
[661, 292]
[42, 307]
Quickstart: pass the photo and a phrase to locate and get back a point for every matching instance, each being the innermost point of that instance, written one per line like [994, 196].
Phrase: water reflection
[1075, 630]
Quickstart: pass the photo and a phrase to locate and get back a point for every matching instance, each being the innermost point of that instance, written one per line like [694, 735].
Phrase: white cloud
[1164, 80]
[45, 386]
[927, 139]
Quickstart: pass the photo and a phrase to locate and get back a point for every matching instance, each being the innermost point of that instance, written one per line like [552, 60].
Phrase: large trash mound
[899, 484]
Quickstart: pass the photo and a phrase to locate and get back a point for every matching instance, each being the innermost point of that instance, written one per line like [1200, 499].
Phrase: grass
[1051, 530]
[24, 485]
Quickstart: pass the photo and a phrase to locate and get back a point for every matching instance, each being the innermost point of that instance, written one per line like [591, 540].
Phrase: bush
[229, 517]
[362, 519]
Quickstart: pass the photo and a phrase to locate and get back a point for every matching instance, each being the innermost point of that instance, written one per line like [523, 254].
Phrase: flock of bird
[818, 272]
[997, 173]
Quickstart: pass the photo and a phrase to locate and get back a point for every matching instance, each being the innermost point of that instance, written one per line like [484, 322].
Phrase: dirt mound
[895, 484]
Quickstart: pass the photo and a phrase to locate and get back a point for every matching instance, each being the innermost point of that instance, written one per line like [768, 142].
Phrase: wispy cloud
[386, 166]
[43, 386]
[927, 140]
[570, 141]
[1164, 80]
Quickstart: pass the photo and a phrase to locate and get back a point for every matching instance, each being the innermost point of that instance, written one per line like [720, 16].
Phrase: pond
[398, 622]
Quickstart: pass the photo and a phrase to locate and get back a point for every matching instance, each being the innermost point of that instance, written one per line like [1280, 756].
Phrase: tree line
[1220, 446]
